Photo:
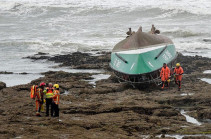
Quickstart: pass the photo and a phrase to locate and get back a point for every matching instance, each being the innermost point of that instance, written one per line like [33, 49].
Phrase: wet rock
[193, 63]
[26, 87]
[41, 53]
[166, 112]
[78, 60]
[38, 57]
[163, 136]
[5, 72]
[2, 85]
[23, 73]
[204, 114]
[48, 73]
[196, 137]
[110, 109]
[207, 40]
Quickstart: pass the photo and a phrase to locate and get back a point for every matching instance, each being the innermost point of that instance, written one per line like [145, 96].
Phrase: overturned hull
[143, 62]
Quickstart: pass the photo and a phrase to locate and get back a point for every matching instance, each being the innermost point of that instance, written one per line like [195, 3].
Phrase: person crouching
[55, 103]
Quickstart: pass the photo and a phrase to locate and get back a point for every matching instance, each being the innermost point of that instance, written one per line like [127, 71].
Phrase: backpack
[33, 91]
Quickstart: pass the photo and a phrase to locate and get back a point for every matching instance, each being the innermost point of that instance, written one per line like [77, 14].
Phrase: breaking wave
[26, 6]
[182, 33]
[20, 9]
[55, 47]
[194, 48]
[97, 24]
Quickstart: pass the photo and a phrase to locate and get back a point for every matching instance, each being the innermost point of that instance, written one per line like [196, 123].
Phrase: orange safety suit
[178, 71]
[38, 100]
[178, 77]
[56, 95]
[164, 74]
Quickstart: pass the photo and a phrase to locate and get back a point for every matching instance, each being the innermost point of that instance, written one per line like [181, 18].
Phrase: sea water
[63, 26]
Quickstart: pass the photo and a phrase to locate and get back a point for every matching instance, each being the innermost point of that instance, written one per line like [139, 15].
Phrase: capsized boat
[140, 57]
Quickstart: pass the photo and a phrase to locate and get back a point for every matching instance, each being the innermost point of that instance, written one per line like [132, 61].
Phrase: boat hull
[142, 65]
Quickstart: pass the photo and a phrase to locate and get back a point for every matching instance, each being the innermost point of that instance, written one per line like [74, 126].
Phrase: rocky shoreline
[109, 109]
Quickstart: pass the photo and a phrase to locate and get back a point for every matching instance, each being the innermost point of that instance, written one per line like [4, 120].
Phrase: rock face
[2, 85]
[109, 110]
[78, 60]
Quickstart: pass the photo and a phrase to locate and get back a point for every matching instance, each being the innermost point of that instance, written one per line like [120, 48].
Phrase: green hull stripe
[140, 63]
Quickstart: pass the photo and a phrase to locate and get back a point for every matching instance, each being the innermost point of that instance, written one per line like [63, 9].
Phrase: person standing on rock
[178, 71]
[41, 89]
[37, 97]
[153, 29]
[129, 33]
[49, 94]
[55, 103]
[164, 74]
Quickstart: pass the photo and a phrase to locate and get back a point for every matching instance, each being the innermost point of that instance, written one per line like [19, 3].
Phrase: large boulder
[2, 85]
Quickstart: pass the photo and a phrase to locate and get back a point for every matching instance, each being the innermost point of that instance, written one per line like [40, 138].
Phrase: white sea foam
[195, 7]
[206, 80]
[98, 77]
[181, 32]
[194, 48]
[207, 72]
[177, 136]
[186, 94]
[63, 26]
[190, 119]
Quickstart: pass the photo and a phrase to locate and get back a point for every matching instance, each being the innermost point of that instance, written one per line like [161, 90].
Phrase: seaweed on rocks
[110, 109]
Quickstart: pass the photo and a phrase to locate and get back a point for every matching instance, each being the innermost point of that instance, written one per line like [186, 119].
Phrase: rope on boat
[161, 52]
[154, 80]
[121, 58]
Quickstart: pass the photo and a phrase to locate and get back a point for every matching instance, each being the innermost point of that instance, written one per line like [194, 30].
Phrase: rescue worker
[49, 94]
[178, 71]
[37, 101]
[164, 74]
[55, 104]
[140, 29]
[153, 29]
[41, 89]
[129, 33]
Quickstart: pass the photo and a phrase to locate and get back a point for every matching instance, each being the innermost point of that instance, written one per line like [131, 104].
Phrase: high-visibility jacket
[49, 92]
[179, 71]
[165, 73]
[56, 95]
[41, 93]
[38, 94]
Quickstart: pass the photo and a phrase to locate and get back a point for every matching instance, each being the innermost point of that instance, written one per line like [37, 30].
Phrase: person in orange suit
[178, 71]
[164, 74]
[39, 98]
[55, 103]
[41, 89]
[38, 101]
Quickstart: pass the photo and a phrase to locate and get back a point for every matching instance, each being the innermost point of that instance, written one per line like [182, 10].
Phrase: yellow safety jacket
[49, 92]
